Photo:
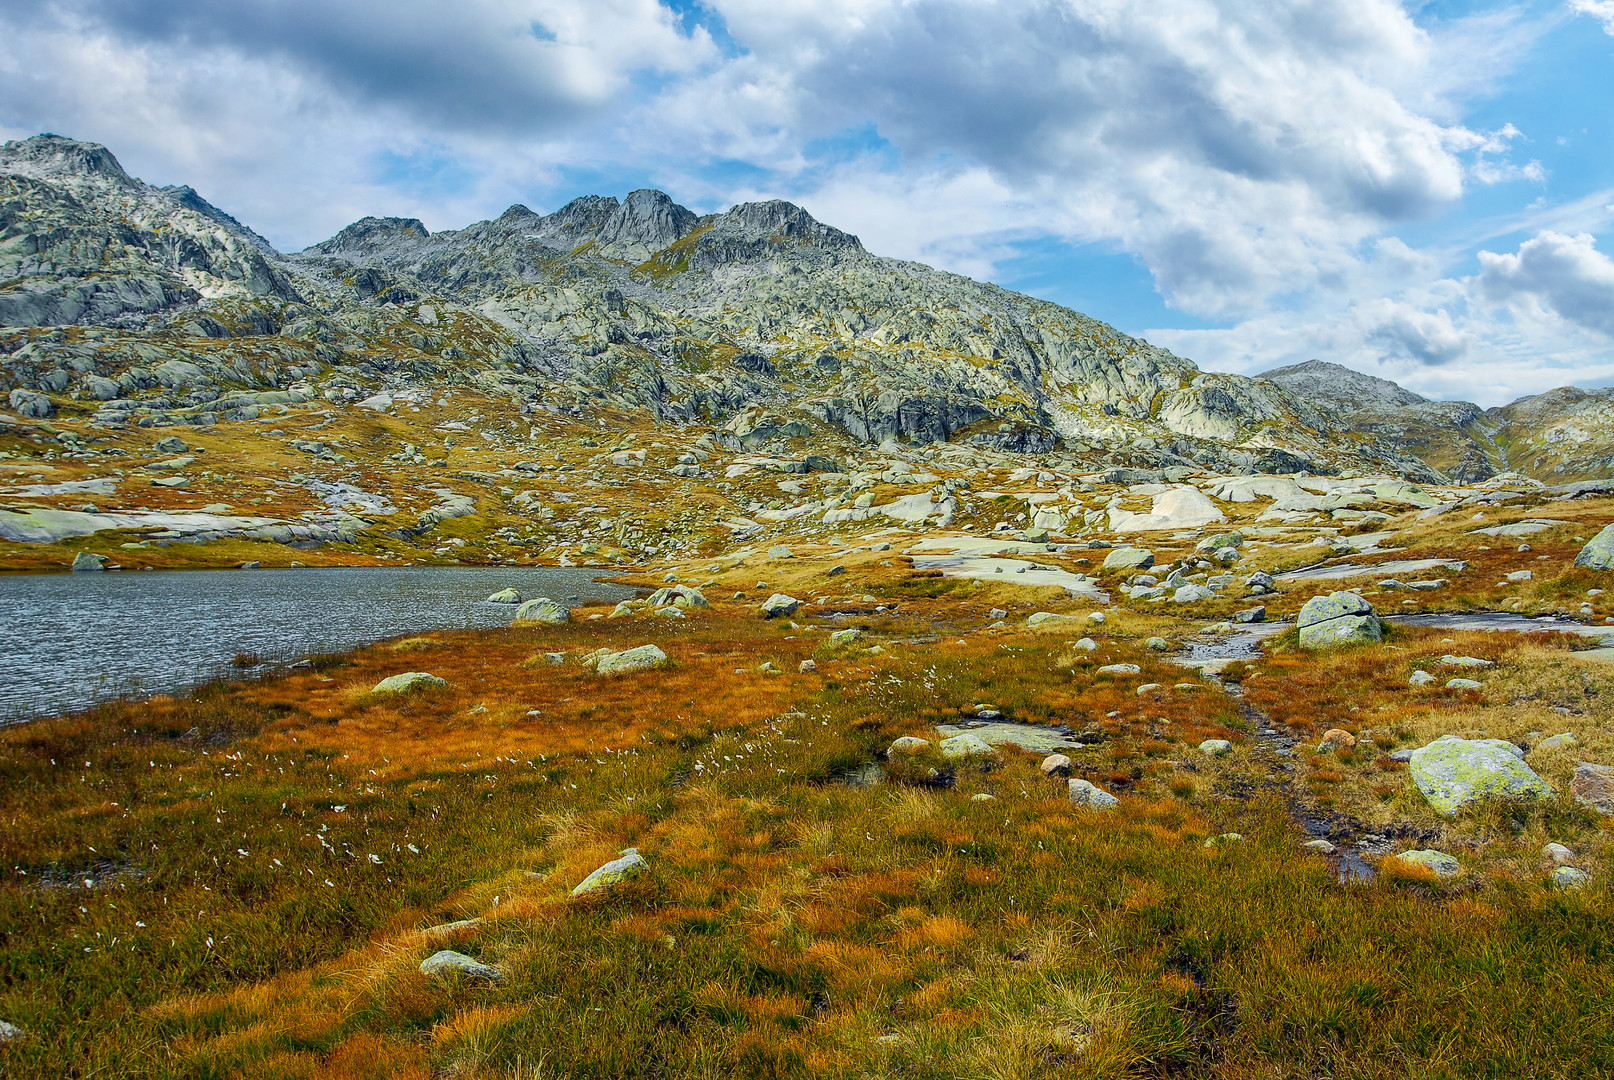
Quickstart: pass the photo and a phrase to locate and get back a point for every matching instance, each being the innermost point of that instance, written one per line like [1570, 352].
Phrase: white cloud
[1566, 274]
[1602, 10]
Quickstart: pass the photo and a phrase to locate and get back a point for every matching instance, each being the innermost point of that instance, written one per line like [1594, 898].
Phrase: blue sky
[1422, 191]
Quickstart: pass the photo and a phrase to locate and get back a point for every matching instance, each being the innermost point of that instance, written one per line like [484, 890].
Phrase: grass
[265, 861]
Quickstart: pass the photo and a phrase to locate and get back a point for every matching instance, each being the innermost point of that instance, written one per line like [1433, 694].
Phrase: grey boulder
[629, 866]
[1089, 796]
[779, 604]
[1593, 787]
[408, 683]
[541, 611]
[1453, 773]
[1340, 618]
[1598, 554]
[642, 658]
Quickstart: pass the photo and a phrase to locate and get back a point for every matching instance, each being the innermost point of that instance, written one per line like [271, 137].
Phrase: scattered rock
[408, 683]
[1089, 796]
[629, 866]
[1340, 618]
[1055, 765]
[1192, 594]
[541, 611]
[1225, 838]
[807, 667]
[982, 796]
[505, 596]
[449, 963]
[1466, 661]
[842, 638]
[1568, 878]
[1216, 747]
[1086, 644]
[1463, 684]
[1598, 554]
[1421, 677]
[1558, 854]
[1119, 669]
[88, 562]
[1129, 558]
[1319, 845]
[29, 403]
[836, 570]
[642, 658]
[1337, 739]
[1402, 755]
[1593, 787]
[908, 744]
[1148, 688]
[171, 444]
[1561, 741]
[1442, 864]
[779, 604]
[1453, 773]
[1251, 615]
[1157, 644]
[1096, 617]
[1047, 618]
[965, 746]
[780, 552]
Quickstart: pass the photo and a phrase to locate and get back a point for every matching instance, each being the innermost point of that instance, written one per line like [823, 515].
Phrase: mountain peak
[371, 236]
[51, 157]
[1340, 386]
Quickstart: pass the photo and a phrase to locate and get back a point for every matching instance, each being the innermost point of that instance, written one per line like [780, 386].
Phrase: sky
[1422, 191]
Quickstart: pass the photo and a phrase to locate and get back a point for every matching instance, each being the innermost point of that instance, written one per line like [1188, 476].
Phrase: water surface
[70, 640]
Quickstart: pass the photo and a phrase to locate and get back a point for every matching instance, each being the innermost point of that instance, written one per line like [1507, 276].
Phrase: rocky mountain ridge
[171, 311]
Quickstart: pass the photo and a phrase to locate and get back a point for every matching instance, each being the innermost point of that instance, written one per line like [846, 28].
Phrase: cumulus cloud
[1566, 274]
[1602, 10]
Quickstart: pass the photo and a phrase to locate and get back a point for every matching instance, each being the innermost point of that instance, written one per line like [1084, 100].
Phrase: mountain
[641, 305]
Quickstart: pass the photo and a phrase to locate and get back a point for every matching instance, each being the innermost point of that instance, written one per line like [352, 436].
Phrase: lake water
[70, 640]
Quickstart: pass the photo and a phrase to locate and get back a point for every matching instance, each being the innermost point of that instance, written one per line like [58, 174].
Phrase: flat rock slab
[977, 545]
[1037, 739]
[1011, 572]
[1388, 569]
[39, 525]
[1520, 528]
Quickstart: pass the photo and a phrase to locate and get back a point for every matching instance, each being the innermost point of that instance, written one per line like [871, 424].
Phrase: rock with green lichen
[630, 865]
[1453, 773]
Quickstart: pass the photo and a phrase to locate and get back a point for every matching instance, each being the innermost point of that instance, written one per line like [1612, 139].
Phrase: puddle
[1033, 737]
[1350, 868]
[1500, 620]
[1212, 656]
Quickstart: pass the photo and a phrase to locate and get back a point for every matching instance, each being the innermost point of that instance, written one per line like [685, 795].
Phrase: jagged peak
[188, 197]
[371, 236]
[50, 157]
[778, 218]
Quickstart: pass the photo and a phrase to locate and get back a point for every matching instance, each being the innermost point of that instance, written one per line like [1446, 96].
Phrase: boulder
[1219, 541]
[171, 444]
[965, 746]
[630, 865]
[779, 604]
[1464, 684]
[807, 667]
[1051, 618]
[541, 612]
[1192, 594]
[408, 683]
[1420, 677]
[1453, 773]
[1562, 741]
[1055, 765]
[1086, 644]
[1119, 669]
[1442, 864]
[1466, 661]
[680, 596]
[1340, 618]
[1598, 554]
[1557, 854]
[842, 638]
[1251, 615]
[1157, 644]
[1337, 739]
[642, 658]
[1216, 747]
[448, 963]
[1567, 878]
[1089, 796]
[780, 552]
[88, 562]
[30, 403]
[1129, 558]
[1593, 787]
[505, 596]
[908, 744]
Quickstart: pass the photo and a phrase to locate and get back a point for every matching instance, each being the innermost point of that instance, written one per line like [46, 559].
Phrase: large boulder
[541, 611]
[88, 562]
[1598, 554]
[408, 683]
[1129, 558]
[779, 604]
[1593, 787]
[31, 403]
[1051, 618]
[681, 596]
[1341, 618]
[505, 596]
[1453, 773]
[641, 658]
[965, 746]
[629, 866]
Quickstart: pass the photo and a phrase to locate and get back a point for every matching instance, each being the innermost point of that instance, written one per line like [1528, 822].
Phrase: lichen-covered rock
[842, 638]
[1119, 669]
[630, 865]
[965, 746]
[1569, 878]
[1598, 554]
[505, 596]
[450, 963]
[1050, 618]
[88, 562]
[779, 604]
[1453, 773]
[542, 612]
[641, 658]
[1438, 862]
[408, 683]
[1593, 787]
[1192, 594]
[1089, 796]
[908, 744]
[1216, 747]
[1129, 558]
[1340, 618]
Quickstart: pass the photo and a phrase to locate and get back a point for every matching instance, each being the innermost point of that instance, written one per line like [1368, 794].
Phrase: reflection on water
[69, 640]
